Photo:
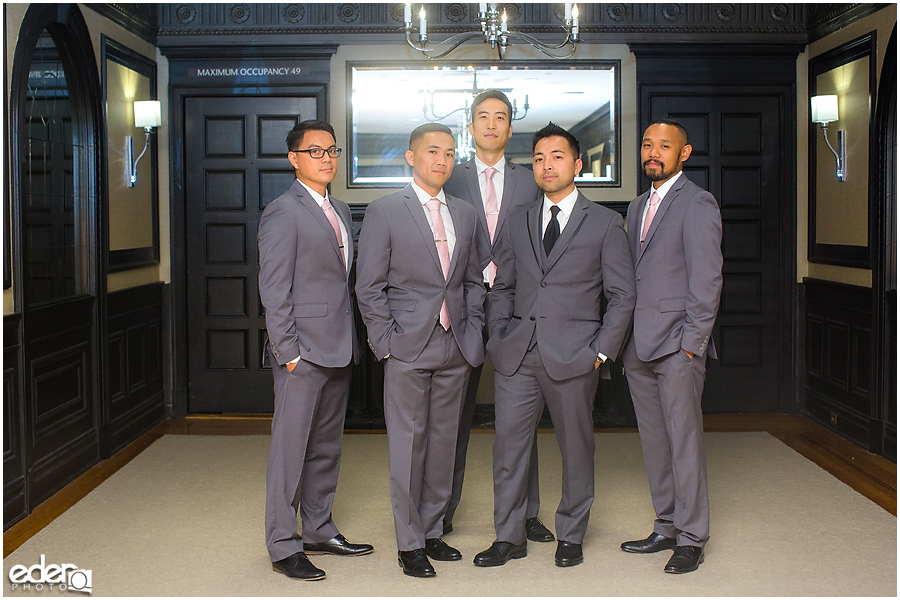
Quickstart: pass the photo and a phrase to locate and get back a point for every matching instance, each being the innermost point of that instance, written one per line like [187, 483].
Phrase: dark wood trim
[884, 245]
[870, 475]
[140, 19]
[825, 19]
[110, 49]
[838, 254]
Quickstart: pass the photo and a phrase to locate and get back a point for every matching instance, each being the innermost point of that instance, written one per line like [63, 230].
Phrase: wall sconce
[824, 111]
[147, 114]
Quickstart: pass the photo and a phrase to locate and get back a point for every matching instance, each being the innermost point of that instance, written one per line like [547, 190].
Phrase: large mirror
[390, 100]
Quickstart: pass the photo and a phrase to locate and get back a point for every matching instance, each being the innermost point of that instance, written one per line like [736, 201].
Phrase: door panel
[235, 164]
[736, 156]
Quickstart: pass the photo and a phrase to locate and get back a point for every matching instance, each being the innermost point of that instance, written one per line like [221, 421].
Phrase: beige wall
[843, 227]
[125, 229]
[338, 107]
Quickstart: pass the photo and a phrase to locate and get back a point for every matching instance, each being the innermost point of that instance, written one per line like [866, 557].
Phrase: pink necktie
[492, 213]
[443, 250]
[651, 212]
[332, 218]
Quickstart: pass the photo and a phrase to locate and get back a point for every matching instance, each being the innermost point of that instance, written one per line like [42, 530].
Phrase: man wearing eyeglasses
[305, 255]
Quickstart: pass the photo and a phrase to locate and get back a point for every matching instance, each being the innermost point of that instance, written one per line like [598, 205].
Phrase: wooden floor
[872, 476]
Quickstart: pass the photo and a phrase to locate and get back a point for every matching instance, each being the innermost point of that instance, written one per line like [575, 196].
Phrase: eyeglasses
[320, 152]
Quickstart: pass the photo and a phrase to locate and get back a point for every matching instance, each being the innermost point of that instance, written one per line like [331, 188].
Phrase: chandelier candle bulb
[407, 14]
[568, 11]
[422, 21]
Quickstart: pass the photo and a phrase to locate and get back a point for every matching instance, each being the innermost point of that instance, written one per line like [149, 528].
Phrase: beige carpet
[185, 518]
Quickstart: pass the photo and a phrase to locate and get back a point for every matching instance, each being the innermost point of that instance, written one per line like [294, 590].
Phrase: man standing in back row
[494, 186]
[675, 236]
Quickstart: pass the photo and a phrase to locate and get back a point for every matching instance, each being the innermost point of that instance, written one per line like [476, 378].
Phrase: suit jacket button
[531, 318]
[437, 317]
[348, 311]
[543, 284]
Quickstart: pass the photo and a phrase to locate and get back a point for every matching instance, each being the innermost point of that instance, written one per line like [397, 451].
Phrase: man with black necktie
[549, 337]
[494, 186]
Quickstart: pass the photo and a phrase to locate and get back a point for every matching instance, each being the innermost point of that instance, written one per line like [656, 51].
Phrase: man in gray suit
[549, 338]
[675, 236]
[420, 293]
[493, 186]
[305, 254]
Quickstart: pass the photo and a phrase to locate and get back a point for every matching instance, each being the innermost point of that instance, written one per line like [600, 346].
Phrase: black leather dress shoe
[437, 549]
[568, 554]
[500, 553]
[685, 560]
[415, 563]
[536, 532]
[654, 543]
[448, 527]
[339, 546]
[297, 566]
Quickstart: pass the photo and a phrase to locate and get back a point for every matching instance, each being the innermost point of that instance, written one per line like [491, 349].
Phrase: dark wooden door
[235, 163]
[737, 155]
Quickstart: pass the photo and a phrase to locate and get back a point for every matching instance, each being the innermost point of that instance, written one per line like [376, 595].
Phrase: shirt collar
[664, 188]
[315, 195]
[424, 196]
[566, 205]
[500, 166]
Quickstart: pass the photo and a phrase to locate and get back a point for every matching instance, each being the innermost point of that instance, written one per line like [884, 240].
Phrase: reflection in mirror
[49, 226]
[389, 101]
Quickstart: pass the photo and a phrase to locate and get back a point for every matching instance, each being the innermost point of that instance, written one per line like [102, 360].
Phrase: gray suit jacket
[556, 300]
[400, 286]
[679, 272]
[303, 282]
[519, 189]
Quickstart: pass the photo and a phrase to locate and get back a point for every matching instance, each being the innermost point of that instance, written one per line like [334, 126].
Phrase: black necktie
[552, 232]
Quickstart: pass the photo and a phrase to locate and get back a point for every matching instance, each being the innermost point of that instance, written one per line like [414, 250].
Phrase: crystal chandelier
[494, 31]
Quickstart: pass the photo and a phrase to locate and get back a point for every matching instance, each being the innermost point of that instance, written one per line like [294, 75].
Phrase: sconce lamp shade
[147, 114]
[824, 109]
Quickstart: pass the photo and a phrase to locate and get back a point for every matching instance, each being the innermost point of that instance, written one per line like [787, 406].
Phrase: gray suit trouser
[305, 455]
[422, 402]
[462, 447]
[519, 400]
[666, 394]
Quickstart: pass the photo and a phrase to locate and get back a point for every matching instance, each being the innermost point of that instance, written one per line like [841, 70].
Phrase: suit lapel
[418, 215]
[318, 216]
[510, 178]
[471, 178]
[534, 231]
[579, 212]
[634, 225]
[671, 195]
[457, 227]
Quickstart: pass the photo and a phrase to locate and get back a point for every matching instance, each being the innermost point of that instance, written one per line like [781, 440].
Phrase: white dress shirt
[661, 192]
[424, 197]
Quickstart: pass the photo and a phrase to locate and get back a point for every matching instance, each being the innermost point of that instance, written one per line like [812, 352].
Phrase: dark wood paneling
[15, 501]
[134, 349]
[838, 368]
[60, 414]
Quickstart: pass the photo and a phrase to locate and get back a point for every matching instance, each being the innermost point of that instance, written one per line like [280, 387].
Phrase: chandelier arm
[538, 43]
[456, 41]
[437, 118]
